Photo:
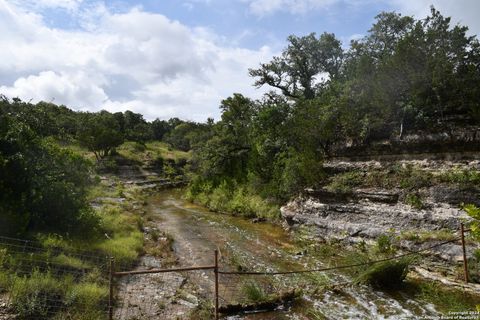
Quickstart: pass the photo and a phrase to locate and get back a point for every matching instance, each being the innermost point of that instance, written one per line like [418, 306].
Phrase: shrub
[345, 182]
[412, 178]
[465, 177]
[70, 262]
[386, 275]
[414, 200]
[139, 147]
[446, 299]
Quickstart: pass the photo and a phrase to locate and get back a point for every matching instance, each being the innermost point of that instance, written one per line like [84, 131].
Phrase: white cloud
[134, 60]
[70, 5]
[49, 85]
[267, 7]
[464, 12]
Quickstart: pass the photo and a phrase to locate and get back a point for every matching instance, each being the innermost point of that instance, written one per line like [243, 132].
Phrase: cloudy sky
[166, 58]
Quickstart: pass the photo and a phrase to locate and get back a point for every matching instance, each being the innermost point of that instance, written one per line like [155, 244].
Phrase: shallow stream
[244, 245]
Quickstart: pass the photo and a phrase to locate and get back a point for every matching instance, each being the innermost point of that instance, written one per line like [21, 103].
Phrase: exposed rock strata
[366, 214]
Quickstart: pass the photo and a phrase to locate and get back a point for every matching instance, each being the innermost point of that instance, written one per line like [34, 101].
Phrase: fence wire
[39, 282]
[56, 283]
[165, 295]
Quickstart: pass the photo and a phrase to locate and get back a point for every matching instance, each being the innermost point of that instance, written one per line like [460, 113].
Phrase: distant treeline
[44, 186]
[101, 131]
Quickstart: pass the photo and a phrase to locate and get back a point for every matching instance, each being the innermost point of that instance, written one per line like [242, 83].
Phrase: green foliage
[232, 198]
[474, 212]
[386, 275]
[186, 135]
[414, 200]
[422, 236]
[385, 245]
[253, 292]
[345, 182]
[204, 310]
[405, 74]
[86, 296]
[42, 187]
[473, 268]
[446, 299]
[303, 59]
[32, 296]
[466, 177]
[101, 133]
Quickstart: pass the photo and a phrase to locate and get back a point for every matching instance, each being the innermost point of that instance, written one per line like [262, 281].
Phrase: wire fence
[39, 282]
[235, 291]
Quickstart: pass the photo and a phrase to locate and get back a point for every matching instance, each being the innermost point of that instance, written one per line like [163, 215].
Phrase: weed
[253, 292]
[5, 281]
[154, 234]
[414, 200]
[423, 236]
[316, 315]
[124, 249]
[385, 245]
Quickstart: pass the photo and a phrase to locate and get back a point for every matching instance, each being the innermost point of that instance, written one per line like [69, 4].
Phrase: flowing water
[244, 245]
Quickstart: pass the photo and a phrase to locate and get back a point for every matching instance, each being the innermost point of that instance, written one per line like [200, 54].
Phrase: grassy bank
[64, 276]
[232, 198]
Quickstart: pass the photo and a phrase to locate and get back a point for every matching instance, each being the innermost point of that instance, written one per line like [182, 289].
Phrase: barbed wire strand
[343, 266]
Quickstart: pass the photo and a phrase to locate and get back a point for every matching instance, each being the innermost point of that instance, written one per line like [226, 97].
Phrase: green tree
[100, 133]
[296, 73]
[42, 187]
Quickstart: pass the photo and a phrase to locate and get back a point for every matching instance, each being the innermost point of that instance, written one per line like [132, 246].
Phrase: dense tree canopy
[42, 187]
[404, 75]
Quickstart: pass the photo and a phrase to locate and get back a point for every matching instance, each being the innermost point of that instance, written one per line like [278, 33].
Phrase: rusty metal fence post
[465, 262]
[216, 284]
[110, 296]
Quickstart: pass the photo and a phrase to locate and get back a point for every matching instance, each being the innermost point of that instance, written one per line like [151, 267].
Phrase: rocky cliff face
[364, 214]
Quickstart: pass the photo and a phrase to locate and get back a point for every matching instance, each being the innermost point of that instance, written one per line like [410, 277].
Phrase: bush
[386, 275]
[5, 281]
[465, 177]
[414, 200]
[412, 178]
[345, 182]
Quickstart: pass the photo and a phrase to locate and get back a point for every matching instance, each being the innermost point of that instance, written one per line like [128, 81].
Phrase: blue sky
[168, 58]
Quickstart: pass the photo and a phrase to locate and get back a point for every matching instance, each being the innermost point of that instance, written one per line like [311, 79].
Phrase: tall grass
[36, 296]
[234, 199]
